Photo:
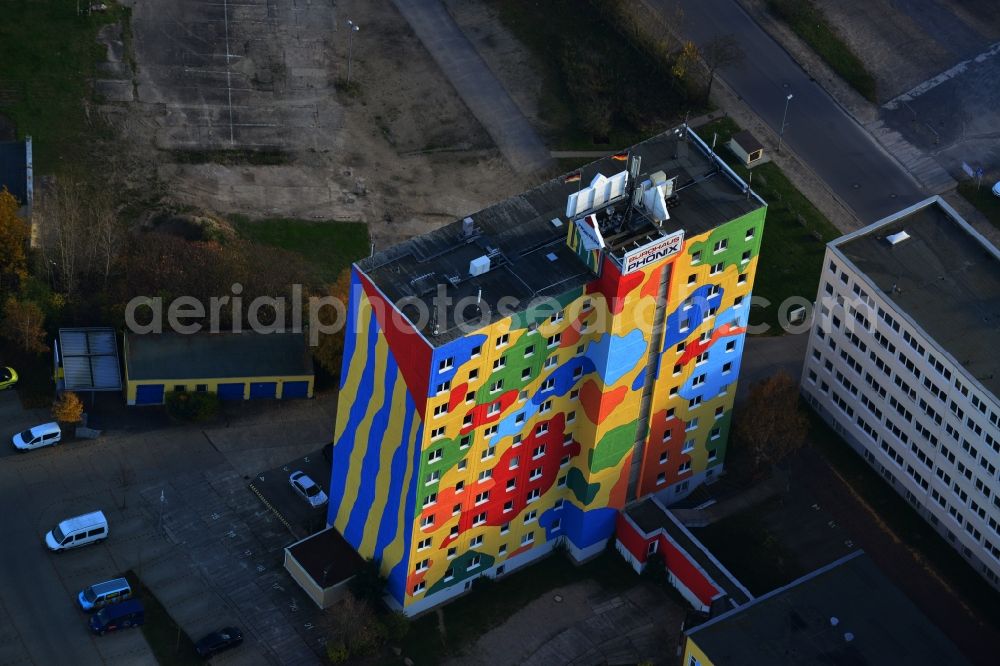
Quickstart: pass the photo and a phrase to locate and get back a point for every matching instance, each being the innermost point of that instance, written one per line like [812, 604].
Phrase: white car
[46, 434]
[996, 189]
[308, 489]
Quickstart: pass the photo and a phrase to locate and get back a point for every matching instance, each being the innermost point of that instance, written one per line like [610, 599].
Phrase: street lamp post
[352, 28]
[781, 131]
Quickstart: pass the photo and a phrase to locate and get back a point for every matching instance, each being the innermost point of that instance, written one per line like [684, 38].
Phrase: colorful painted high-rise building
[512, 380]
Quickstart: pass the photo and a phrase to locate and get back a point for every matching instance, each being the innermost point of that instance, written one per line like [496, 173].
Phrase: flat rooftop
[327, 557]
[216, 355]
[649, 516]
[944, 276]
[845, 614]
[529, 254]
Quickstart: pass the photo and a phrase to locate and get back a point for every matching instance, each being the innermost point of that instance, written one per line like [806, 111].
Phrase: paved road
[819, 131]
[476, 84]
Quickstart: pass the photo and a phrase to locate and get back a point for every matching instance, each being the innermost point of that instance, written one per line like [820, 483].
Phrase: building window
[750, 233]
[446, 364]
[553, 340]
[479, 519]
[720, 245]
[476, 541]
[528, 538]
[493, 409]
[742, 279]
[717, 268]
[745, 257]
[500, 363]
[430, 499]
[692, 279]
[529, 350]
[545, 406]
[424, 544]
[534, 494]
[441, 410]
[419, 587]
[496, 386]
[435, 455]
[427, 521]
[696, 258]
[488, 452]
[530, 516]
[473, 374]
[536, 474]
[474, 562]
[483, 497]
[561, 483]
[661, 478]
[538, 452]
[688, 446]
[433, 477]
[502, 340]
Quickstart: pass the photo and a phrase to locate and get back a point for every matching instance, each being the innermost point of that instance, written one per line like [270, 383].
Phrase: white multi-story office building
[903, 363]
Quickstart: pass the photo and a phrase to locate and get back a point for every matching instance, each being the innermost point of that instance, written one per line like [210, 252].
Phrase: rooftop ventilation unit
[897, 238]
[468, 227]
[479, 265]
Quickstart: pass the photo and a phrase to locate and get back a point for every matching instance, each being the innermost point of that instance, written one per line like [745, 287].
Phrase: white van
[78, 531]
[46, 434]
[103, 594]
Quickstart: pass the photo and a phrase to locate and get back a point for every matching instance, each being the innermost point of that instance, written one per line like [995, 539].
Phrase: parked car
[218, 641]
[47, 434]
[8, 377]
[125, 615]
[308, 489]
[77, 531]
[104, 594]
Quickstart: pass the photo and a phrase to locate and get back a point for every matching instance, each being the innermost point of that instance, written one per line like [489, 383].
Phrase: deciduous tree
[717, 54]
[771, 425]
[23, 325]
[329, 353]
[14, 234]
[68, 408]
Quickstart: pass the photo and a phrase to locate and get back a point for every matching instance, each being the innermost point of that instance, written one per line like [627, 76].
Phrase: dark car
[119, 616]
[219, 641]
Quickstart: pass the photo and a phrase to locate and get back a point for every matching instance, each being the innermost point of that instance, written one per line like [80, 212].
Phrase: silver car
[308, 489]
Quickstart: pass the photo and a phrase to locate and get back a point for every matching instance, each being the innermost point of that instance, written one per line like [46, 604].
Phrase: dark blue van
[119, 616]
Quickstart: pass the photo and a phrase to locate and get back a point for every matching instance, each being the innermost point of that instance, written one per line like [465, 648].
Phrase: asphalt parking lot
[277, 493]
[211, 552]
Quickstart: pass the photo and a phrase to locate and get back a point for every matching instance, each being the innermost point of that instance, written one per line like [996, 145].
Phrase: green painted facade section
[583, 491]
[539, 313]
[612, 448]
[515, 364]
[452, 453]
[460, 568]
[734, 233]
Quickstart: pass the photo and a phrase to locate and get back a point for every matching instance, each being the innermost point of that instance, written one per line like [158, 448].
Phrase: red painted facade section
[480, 413]
[697, 347]
[548, 464]
[598, 404]
[659, 426]
[411, 352]
[613, 285]
[677, 561]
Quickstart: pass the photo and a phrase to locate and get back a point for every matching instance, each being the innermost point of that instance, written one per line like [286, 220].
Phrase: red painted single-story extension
[647, 529]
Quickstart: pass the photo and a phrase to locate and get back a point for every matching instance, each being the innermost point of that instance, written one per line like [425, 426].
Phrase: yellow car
[8, 377]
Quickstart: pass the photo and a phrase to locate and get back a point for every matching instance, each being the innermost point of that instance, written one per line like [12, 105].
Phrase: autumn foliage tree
[22, 325]
[329, 353]
[771, 425]
[14, 234]
[68, 408]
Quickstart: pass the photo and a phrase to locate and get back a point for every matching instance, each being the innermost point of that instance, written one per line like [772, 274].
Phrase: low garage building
[236, 366]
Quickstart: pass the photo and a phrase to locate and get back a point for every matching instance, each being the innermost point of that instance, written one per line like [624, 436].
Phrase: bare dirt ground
[399, 151]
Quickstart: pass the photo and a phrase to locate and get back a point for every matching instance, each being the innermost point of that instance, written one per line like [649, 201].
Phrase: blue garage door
[295, 390]
[149, 394]
[231, 391]
[263, 390]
